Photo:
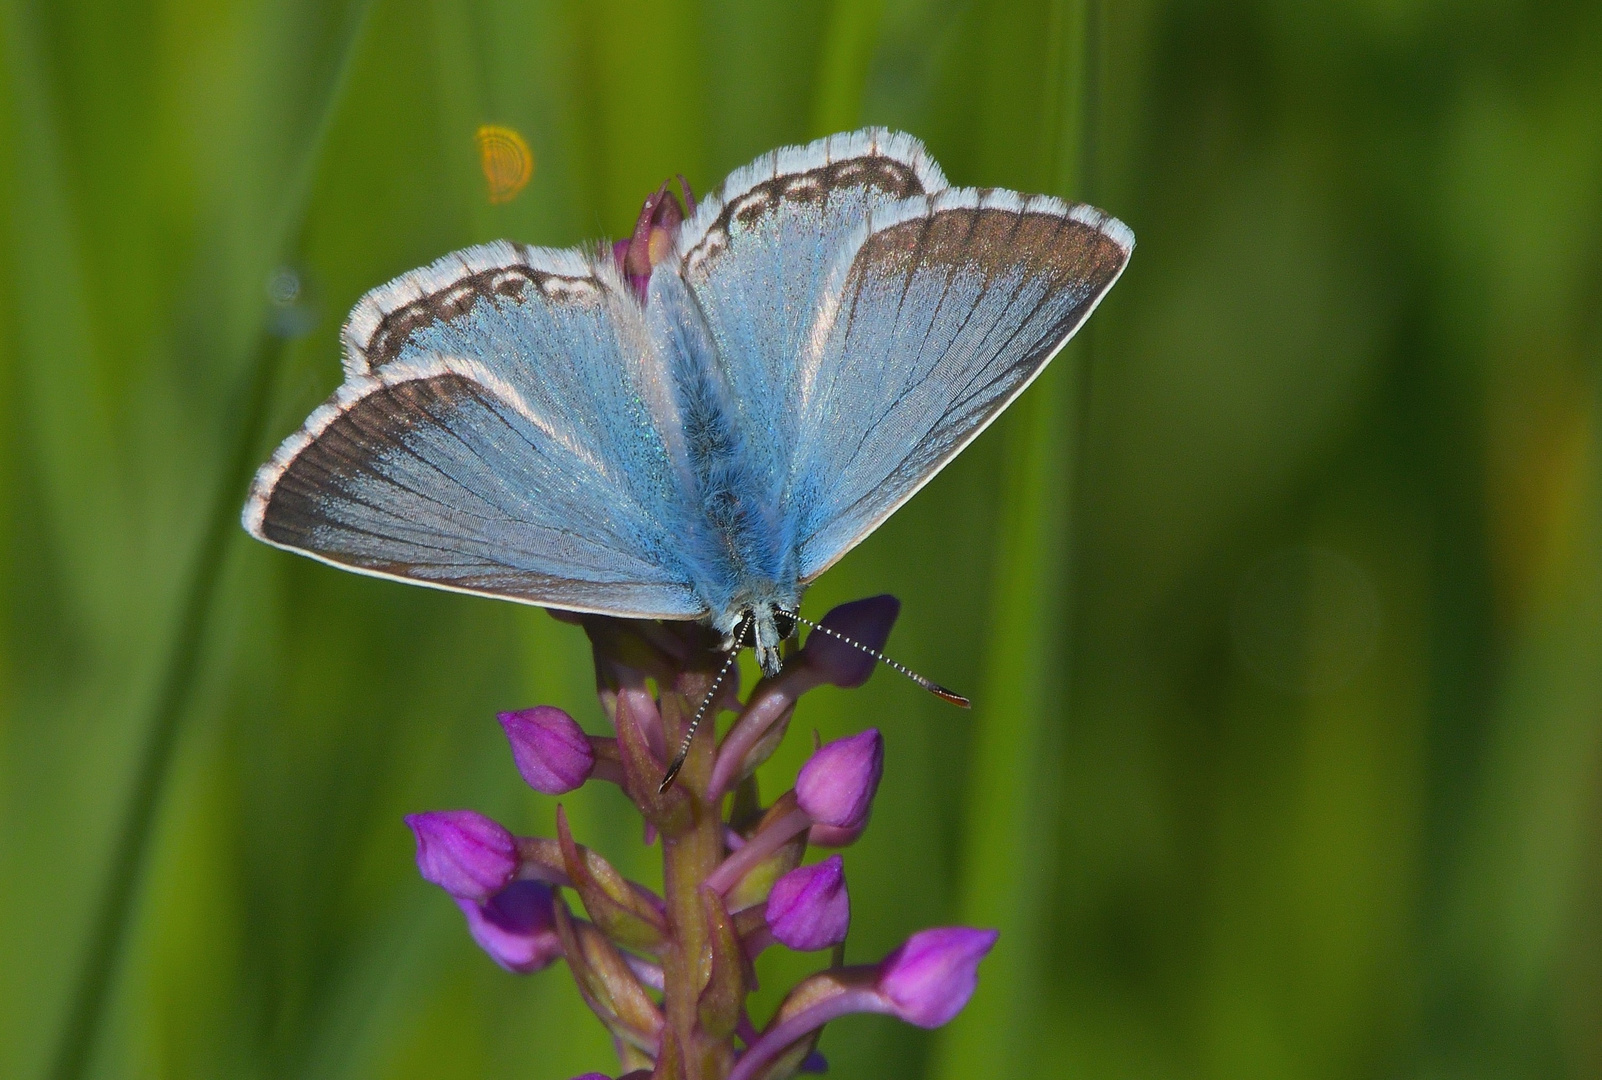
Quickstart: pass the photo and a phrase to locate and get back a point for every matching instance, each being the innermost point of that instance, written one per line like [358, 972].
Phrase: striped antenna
[700, 713]
[739, 634]
[928, 684]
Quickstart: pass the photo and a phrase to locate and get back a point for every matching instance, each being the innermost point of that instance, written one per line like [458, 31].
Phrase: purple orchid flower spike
[550, 750]
[464, 853]
[670, 976]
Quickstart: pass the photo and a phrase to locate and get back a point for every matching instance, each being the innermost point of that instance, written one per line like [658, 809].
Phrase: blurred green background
[1280, 594]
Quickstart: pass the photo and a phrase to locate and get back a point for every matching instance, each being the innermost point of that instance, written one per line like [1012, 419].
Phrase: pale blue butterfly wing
[758, 254]
[834, 325]
[499, 431]
[942, 313]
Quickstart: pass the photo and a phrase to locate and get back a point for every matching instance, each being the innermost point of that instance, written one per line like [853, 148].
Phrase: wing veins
[484, 561]
[498, 513]
[966, 395]
[367, 429]
[869, 429]
[492, 403]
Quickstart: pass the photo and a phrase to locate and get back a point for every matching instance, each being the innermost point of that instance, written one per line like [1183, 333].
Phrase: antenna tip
[672, 773]
[951, 696]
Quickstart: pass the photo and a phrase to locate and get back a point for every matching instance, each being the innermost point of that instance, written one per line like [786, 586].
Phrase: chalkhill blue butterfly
[703, 439]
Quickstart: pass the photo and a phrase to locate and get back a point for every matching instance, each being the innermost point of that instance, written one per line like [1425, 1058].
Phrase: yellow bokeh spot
[506, 161]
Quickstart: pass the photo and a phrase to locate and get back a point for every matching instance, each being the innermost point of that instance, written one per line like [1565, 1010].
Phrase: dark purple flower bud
[464, 853]
[929, 979]
[516, 927]
[551, 751]
[868, 623]
[837, 785]
[654, 233]
[809, 907]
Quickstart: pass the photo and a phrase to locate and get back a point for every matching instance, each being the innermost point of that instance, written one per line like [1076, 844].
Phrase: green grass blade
[1012, 801]
[114, 913]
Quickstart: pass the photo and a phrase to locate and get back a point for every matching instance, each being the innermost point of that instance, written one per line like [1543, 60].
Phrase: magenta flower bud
[809, 907]
[836, 787]
[516, 927]
[926, 982]
[929, 979]
[464, 853]
[654, 233]
[551, 751]
[868, 623]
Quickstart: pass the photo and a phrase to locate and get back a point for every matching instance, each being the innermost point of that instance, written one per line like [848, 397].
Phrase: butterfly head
[763, 627]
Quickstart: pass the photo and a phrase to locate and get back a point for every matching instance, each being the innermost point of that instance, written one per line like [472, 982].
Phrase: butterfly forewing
[499, 432]
[931, 326]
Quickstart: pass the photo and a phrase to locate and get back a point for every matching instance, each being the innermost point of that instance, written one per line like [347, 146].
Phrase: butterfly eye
[784, 623]
[745, 632]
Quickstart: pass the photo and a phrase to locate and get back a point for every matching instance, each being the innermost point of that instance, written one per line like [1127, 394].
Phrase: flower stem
[689, 856]
[759, 847]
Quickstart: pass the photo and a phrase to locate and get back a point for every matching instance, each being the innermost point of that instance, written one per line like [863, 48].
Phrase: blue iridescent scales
[832, 326]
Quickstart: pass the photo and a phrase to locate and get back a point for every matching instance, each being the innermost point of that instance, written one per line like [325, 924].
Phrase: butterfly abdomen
[740, 555]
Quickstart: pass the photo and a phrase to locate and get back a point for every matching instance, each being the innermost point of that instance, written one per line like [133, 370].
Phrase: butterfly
[823, 335]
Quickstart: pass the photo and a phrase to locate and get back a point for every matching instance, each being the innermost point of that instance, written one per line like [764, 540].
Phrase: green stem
[1008, 846]
[688, 858]
[686, 861]
[115, 910]
[113, 914]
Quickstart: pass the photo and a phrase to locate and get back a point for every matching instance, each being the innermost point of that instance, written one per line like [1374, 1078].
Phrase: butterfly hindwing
[943, 313]
[499, 432]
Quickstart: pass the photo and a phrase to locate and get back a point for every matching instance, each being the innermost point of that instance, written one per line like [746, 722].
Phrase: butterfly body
[828, 330]
[743, 560]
